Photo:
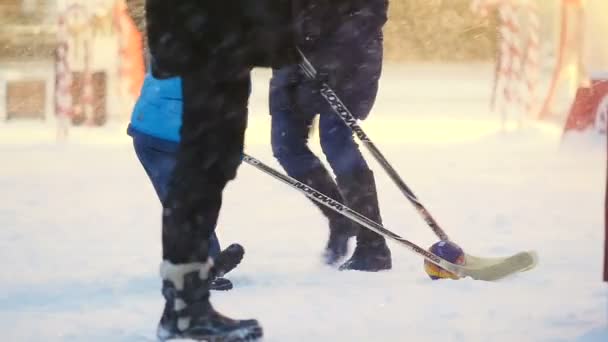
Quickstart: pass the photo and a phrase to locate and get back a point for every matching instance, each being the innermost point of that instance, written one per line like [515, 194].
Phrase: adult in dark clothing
[343, 40]
[212, 47]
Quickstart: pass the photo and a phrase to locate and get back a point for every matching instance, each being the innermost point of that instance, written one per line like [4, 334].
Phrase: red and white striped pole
[63, 80]
[67, 43]
[517, 63]
[531, 62]
[511, 60]
[87, 86]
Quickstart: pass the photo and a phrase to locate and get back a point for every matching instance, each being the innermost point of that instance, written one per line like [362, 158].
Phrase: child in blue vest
[155, 124]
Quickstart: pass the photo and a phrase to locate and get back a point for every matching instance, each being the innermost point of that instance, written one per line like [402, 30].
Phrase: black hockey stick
[342, 111]
[487, 269]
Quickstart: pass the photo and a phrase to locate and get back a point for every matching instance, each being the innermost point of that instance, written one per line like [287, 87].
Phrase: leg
[290, 132]
[159, 165]
[357, 184]
[210, 151]
[214, 122]
[290, 125]
[355, 178]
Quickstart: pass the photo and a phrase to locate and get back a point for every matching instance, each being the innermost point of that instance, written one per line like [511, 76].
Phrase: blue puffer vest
[157, 114]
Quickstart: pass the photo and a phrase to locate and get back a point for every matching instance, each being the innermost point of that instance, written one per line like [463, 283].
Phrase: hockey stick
[488, 269]
[342, 111]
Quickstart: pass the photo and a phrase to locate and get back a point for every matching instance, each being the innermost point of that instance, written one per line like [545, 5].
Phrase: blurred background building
[27, 44]
[66, 58]
[81, 60]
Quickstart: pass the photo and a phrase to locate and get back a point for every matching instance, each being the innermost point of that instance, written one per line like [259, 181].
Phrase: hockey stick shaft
[488, 269]
[348, 213]
[344, 113]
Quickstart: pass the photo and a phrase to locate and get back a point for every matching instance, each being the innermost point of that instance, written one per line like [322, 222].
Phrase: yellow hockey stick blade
[492, 269]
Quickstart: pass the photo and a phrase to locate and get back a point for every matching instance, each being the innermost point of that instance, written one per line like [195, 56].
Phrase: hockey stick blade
[478, 268]
[491, 269]
[500, 266]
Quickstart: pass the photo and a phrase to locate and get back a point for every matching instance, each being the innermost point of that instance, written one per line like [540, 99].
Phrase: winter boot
[341, 229]
[372, 253]
[226, 261]
[188, 314]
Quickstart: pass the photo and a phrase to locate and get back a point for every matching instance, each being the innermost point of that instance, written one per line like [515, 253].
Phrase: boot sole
[247, 334]
[370, 267]
[221, 287]
[346, 268]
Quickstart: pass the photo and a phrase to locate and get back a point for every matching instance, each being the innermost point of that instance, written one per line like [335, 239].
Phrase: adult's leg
[291, 124]
[357, 89]
[357, 184]
[211, 147]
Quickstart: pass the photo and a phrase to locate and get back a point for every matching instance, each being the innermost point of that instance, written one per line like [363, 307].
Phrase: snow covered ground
[80, 230]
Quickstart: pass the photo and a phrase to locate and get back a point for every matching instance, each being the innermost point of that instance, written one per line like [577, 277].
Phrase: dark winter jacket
[341, 38]
[346, 22]
[186, 35]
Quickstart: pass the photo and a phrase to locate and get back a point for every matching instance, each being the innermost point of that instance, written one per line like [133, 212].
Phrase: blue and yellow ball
[448, 251]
